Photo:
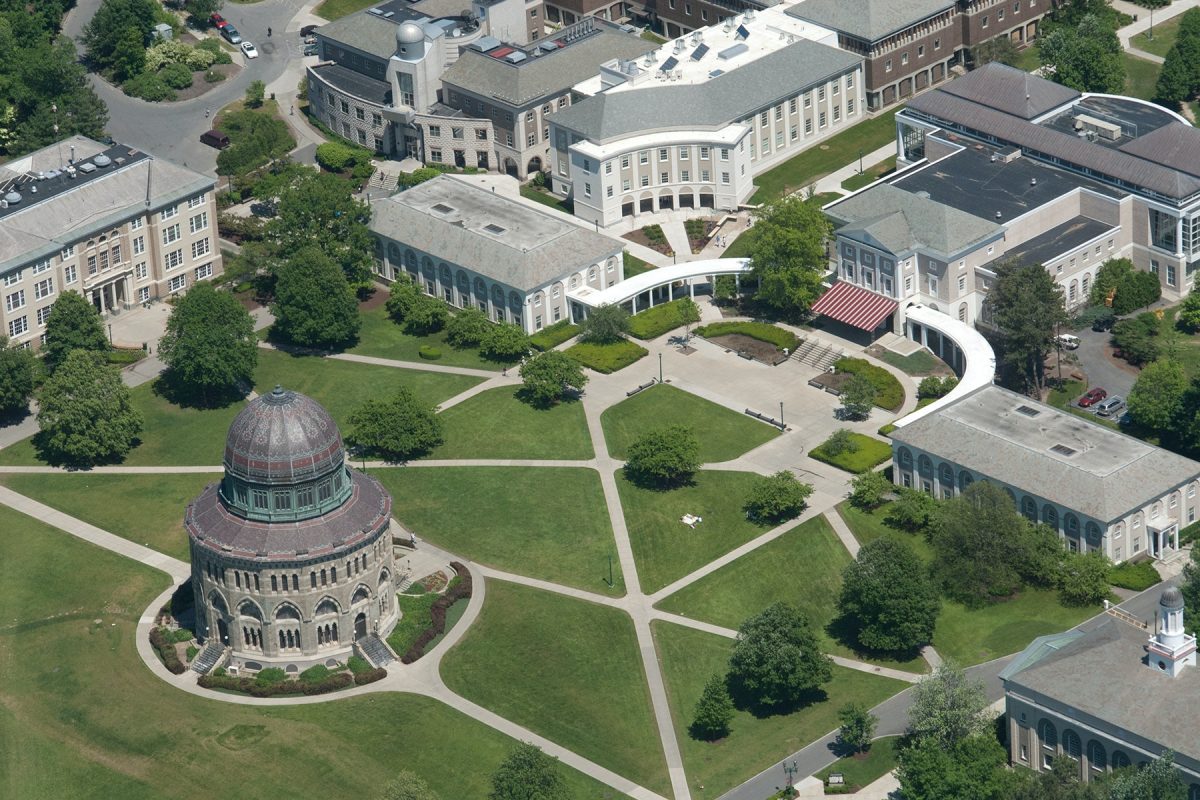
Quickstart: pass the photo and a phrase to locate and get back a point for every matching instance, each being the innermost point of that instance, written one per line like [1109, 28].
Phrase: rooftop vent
[1063, 450]
[494, 229]
[442, 208]
[102, 160]
[12, 198]
[87, 167]
[1028, 411]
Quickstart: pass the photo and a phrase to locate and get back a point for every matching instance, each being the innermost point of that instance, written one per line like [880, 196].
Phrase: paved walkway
[1144, 19]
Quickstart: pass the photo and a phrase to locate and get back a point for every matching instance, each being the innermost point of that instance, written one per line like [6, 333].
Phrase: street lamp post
[660, 379]
[110, 333]
[781, 425]
[860, 167]
[790, 770]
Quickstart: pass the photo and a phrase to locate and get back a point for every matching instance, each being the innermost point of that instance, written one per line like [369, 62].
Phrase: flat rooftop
[1135, 118]
[971, 181]
[1058, 240]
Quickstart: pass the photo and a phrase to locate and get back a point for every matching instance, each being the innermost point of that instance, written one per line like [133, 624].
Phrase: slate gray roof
[714, 103]
[1108, 476]
[1176, 146]
[1011, 90]
[533, 248]
[903, 222]
[365, 32]
[355, 84]
[868, 19]
[1101, 674]
[548, 75]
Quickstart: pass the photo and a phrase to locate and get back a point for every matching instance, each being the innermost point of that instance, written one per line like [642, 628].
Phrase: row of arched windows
[327, 634]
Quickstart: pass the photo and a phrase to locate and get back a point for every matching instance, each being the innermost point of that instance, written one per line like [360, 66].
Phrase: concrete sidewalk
[833, 181]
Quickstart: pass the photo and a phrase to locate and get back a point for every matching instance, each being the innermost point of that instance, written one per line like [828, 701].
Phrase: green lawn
[1185, 346]
[495, 424]
[547, 199]
[868, 526]
[333, 9]
[832, 154]
[689, 657]
[869, 175]
[665, 548]
[548, 523]
[972, 636]
[1164, 35]
[870, 453]
[1027, 59]
[803, 567]
[1141, 76]
[635, 265]
[723, 434]
[81, 716]
[740, 248]
[382, 338]
[920, 363]
[863, 769]
[147, 509]
[566, 669]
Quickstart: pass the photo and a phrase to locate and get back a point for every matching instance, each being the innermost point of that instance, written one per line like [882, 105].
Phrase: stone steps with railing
[209, 657]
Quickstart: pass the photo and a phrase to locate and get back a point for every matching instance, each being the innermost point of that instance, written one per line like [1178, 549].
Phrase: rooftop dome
[282, 438]
[1171, 598]
[409, 33]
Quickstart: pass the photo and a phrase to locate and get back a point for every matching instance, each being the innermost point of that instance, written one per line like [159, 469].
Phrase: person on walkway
[206, 113]
[268, 32]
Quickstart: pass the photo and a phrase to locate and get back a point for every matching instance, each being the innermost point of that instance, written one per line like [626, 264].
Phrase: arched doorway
[535, 165]
[360, 625]
[222, 630]
[510, 167]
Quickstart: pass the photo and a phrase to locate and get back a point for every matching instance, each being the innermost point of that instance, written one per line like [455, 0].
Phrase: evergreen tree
[714, 710]
[1027, 306]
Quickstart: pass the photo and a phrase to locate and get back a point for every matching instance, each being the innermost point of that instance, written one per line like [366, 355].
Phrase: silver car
[1110, 406]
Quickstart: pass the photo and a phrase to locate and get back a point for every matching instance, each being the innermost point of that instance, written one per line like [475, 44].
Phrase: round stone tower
[291, 555]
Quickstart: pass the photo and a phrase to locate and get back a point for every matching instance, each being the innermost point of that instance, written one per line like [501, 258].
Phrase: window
[1170, 274]
[177, 284]
[140, 271]
[345, 107]
[807, 126]
[808, 99]
[725, 178]
[435, 130]
[608, 168]
[625, 186]
[985, 21]
[962, 283]
[43, 314]
[821, 121]
[903, 59]
[724, 153]
[920, 51]
[70, 274]
[849, 80]
[685, 175]
[359, 113]
[170, 234]
[531, 140]
[779, 111]
[933, 284]
[849, 106]
[645, 180]
[762, 118]
[683, 152]
[1000, 15]
[644, 157]
[139, 245]
[608, 191]
[201, 248]
[18, 326]
[376, 119]
[887, 65]
[167, 213]
[43, 289]
[663, 177]
[198, 222]
[624, 162]
[793, 104]
[508, 140]
[587, 165]
[143, 294]
[69, 252]
[587, 190]
[562, 101]
[173, 259]
[14, 301]
[203, 272]
[41, 266]
[837, 113]
[663, 153]
[435, 154]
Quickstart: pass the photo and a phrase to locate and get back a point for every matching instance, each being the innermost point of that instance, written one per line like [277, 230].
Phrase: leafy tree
[1083, 578]
[888, 597]
[947, 707]
[714, 710]
[840, 441]
[74, 324]
[1060, 782]
[858, 727]
[467, 327]
[608, 323]
[397, 428]
[665, 457]
[17, 370]
[105, 37]
[504, 342]
[320, 208]
[402, 297]
[426, 315]
[913, 511]
[255, 94]
[1156, 399]
[256, 138]
[933, 386]
[1190, 587]
[777, 497]
[209, 345]
[775, 661]
[1158, 780]
[314, 306]
[787, 256]
[858, 397]
[999, 48]
[1187, 316]
[1087, 57]
[85, 414]
[1179, 79]
[973, 767]
[1130, 288]
[198, 13]
[528, 774]
[547, 375]
[1137, 338]
[129, 56]
[1027, 306]
[869, 489]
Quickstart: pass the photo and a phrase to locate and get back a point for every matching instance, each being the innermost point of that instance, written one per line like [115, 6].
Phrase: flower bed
[607, 358]
[889, 393]
[460, 589]
[762, 331]
[161, 641]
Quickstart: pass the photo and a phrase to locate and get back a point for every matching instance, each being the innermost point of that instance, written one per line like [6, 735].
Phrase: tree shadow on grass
[56, 458]
[653, 484]
[843, 629]
[174, 391]
[744, 700]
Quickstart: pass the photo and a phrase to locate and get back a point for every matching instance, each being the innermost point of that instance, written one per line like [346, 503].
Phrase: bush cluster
[934, 387]
[654, 322]
[762, 331]
[1135, 576]
[864, 453]
[369, 676]
[655, 234]
[459, 590]
[255, 688]
[214, 47]
[161, 641]
[551, 337]
[889, 393]
[149, 86]
[607, 358]
[429, 353]
[241, 229]
[256, 138]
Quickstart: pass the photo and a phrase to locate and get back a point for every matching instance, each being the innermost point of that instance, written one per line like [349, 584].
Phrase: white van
[1068, 342]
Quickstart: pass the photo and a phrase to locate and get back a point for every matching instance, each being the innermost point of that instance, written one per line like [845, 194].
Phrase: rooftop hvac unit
[696, 37]
[678, 48]
[87, 167]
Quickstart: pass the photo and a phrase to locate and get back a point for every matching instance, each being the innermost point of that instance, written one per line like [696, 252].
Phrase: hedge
[762, 331]
[609, 357]
[160, 640]
[870, 454]
[1189, 534]
[654, 322]
[889, 393]
[1136, 576]
[249, 685]
[429, 353]
[369, 676]
[459, 590]
[551, 337]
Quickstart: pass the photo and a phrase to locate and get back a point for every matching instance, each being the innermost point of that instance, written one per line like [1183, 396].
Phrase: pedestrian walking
[206, 113]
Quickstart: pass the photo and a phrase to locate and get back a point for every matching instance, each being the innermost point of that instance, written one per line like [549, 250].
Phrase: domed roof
[410, 33]
[1171, 598]
[281, 438]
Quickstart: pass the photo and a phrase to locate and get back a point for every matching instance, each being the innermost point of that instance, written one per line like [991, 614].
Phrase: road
[171, 130]
[1101, 371]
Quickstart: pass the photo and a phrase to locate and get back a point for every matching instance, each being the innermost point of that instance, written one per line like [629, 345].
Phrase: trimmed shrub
[180, 635]
[357, 664]
[214, 47]
[654, 322]
[429, 353]
[867, 453]
[160, 640]
[459, 589]
[192, 652]
[1135, 576]
[177, 76]
[247, 685]
[335, 156]
[886, 430]
[551, 337]
[607, 358]
[270, 675]
[369, 676]
[762, 331]
[148, 86]
[934, 387]
[889, 393]
[314, 674]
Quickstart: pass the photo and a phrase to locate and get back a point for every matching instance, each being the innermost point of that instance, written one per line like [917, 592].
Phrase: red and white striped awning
[854, 305]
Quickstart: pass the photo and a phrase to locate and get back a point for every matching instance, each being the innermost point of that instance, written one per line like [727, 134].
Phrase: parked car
[1092, 396]
[310, 49]
[250, 50]
[307, 30]
[231, 34]
[217, 20]
[1110, 407]
[1068, 342]
[1103, 324]
[215, 138]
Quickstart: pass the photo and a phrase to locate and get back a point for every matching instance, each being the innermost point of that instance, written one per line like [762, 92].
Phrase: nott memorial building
[291, 553]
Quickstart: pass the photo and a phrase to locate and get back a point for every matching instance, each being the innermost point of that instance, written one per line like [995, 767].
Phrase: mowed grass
[146, 509]
[1164, 36]
[802, 567]
[383, 338]
[548, 523]
[868, 526]
[566, 669]
[496, 424]
[177, 436]
[689, 657]
[723, 434]
[861, 770]
[665, 549]
[334, 9]
[1141, 76]
[82, 717]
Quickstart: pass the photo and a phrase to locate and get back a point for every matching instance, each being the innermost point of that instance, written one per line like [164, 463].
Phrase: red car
[218, 21]
[1092, 397]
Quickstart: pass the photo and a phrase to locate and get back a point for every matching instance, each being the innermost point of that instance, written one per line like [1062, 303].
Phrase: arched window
[964, 480]
[1120, 760]
[1050, 516]
[444, 274]
[1029, 508]
[427, 266]
[360, 594]
[249, 609]
[574, 281]
[410, 260]
[393, 251]
[326, 606]
[1071, 746]
[946, 476]
[925, 466]
[1072, 523]
[1097, 758]
[962, 312]
[464, 283]
[1092, 531]
[905, 458]
[591, 274]
[514, 300]
[287, 611]
[1048, 735]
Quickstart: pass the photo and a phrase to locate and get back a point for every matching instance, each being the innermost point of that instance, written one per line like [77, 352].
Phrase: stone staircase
[374, 650]
[815, 353]
[208, 657]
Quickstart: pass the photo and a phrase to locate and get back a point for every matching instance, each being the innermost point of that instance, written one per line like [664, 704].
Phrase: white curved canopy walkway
[959, 344]
[629, 289]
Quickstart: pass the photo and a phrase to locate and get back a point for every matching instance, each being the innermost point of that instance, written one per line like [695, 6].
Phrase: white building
[691, 124]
